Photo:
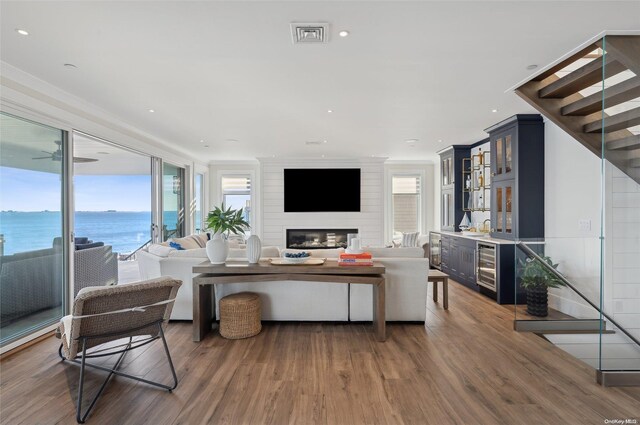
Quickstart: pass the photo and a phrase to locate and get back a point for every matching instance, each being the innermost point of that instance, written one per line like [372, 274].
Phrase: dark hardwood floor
[467, 366]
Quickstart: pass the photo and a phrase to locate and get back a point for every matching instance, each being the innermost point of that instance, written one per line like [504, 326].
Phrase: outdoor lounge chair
[134, 313]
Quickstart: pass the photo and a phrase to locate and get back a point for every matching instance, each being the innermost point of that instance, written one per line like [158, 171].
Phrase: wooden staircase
[581, 114]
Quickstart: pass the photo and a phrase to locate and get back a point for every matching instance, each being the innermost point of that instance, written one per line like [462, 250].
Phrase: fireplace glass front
[318, 238]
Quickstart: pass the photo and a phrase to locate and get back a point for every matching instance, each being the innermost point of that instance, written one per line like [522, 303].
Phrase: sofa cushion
[270, 252]
[414, 252]
[203, 237]
[160, 250]
[317, 253]
[88, 245]
[189, 253]
[186, 242]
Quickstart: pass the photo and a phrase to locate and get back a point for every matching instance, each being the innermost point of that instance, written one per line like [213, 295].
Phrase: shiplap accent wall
[624, 235]
[369, 221]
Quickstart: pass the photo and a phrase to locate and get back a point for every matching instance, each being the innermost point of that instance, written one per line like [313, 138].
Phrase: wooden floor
[467, 366]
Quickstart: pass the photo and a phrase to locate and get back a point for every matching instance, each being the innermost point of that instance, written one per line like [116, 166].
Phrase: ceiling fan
[57, 155]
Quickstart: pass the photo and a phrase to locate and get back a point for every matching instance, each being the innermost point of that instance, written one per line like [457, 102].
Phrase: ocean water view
[27, 231]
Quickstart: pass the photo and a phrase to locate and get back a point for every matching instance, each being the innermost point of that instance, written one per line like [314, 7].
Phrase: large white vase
[218, 249]
[254, 249]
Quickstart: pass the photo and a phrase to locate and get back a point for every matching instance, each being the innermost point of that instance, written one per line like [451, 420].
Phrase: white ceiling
[228, 70]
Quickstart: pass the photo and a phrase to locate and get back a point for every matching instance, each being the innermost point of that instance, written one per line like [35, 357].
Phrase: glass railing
[620, 257]
[544, 296]
[580, 284]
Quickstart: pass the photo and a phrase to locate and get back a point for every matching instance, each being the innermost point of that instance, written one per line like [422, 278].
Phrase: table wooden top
[265, 267]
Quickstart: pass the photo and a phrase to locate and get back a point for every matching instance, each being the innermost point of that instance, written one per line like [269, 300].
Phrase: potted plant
[536, 279]
[222, 222]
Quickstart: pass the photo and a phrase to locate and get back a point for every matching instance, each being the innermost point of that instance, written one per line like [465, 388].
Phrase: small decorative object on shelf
[465, 223]
[475, 172]
[254, 249]
[354, 246]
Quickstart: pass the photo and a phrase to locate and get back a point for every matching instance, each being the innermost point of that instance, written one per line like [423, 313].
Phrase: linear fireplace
[318, 238]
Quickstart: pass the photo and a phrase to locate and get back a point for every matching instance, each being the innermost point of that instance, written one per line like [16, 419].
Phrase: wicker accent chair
[133, 314]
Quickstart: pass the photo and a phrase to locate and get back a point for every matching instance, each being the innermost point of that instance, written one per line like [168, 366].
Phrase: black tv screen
[321, 189]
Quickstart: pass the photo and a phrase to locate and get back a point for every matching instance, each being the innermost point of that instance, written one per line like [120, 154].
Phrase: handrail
[531, 253]
[136, 250]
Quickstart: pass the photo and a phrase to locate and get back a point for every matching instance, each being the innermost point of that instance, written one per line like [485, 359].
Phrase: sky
[27, 190]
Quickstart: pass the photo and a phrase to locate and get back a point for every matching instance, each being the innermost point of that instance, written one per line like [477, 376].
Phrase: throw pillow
[187, 243]
[409, 240]
[176, 245]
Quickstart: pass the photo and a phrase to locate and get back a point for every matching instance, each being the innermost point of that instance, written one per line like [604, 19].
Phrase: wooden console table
[237, 272]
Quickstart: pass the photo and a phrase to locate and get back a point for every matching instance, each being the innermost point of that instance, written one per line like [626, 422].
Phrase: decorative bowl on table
[296, 257]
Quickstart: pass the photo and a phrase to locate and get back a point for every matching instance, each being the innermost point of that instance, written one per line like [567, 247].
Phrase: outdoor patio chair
[133, 314]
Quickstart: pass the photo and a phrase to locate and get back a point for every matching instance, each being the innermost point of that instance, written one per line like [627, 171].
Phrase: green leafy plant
[533, 274]
[227, 221]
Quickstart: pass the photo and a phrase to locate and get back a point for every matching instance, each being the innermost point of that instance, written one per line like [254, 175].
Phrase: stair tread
[628, 143]
[615, 122]
[558, 332]
[614, 95]
[581, 78]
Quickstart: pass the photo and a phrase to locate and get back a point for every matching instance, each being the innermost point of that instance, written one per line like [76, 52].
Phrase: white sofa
[406, 287]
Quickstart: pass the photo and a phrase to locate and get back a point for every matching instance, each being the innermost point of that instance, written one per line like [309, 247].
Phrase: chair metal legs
[80, 417]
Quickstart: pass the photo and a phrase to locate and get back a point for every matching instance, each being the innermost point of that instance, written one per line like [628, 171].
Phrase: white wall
[370, 221]
[572, 194]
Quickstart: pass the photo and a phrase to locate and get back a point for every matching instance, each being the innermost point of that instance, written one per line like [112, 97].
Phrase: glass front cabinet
[502, 154]
[503, 210]
[451, 207]
[517, 176]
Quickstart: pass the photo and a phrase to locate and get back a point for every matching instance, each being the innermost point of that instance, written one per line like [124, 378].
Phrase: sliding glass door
[173, 201]
[112, 192]
[32, 246]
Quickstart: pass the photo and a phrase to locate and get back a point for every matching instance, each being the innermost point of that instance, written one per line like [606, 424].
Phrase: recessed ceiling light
[329, 110]
[232, 141]
[439, 140]
[343, 33]
[201, 141]
[494, 110]
[22, 32]
[102, 153]
[323, 156]
[324, 141]
[411, 141]
[70, 65]
[532, 66]
[151, 110]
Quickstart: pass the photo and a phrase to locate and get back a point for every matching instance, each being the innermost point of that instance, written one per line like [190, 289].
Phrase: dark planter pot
[537, 301]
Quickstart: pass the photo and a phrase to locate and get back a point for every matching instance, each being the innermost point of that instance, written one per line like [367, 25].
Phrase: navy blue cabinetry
[517, 177]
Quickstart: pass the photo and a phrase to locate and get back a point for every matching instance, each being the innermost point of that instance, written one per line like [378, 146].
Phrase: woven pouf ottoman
[240, 315]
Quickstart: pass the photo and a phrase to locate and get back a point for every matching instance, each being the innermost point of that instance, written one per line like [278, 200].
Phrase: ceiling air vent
[309, 32]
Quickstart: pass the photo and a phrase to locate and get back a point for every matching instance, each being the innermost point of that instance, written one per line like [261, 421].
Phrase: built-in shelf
[476, 172]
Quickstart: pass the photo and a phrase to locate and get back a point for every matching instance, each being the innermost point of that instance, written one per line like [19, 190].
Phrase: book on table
[362, 259]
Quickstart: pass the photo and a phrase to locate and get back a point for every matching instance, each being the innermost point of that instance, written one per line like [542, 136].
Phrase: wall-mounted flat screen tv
[321, 189]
